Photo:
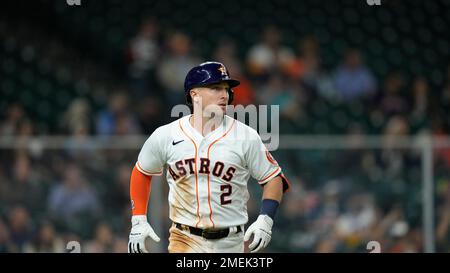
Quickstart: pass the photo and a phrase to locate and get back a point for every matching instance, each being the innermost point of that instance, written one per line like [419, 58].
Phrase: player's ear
[194, 94]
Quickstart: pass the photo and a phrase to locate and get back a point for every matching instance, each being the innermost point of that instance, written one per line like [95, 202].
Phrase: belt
[208, 233]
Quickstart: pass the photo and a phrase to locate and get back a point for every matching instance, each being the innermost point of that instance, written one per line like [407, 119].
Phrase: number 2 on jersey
[226, 191]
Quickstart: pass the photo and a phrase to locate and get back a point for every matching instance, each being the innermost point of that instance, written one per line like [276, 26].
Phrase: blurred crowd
[54, 196]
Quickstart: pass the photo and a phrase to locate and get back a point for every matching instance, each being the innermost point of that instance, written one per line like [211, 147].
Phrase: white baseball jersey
[208, 175]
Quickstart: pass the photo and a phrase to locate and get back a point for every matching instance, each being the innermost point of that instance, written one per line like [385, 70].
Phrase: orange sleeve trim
[270, 175]
[140, 188]
[271, 159]
[146, 172]
[284, 180]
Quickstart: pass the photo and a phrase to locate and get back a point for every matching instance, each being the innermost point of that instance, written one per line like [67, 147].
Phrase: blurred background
[363, 91]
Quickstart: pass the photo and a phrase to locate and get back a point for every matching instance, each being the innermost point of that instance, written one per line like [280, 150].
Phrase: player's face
[214, 97]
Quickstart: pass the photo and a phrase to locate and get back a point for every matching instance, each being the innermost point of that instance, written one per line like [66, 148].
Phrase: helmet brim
[231, 82]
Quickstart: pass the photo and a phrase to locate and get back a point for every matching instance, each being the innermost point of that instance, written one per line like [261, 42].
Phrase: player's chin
[221, 107]
[216, 109]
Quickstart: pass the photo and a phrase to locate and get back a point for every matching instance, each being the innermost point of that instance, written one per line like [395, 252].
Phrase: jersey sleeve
[262, 166]
[151, 159]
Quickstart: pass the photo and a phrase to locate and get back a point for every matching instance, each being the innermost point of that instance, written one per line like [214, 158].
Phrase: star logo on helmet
[223, 70]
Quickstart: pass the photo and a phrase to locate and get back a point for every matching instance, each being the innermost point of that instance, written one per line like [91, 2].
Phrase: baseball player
[209, 158]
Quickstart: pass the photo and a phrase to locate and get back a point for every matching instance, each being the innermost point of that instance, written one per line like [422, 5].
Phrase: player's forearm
[140, 188]
[273, 189]
[272, 195]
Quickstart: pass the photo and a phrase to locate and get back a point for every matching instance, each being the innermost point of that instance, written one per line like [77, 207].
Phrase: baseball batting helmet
[205, 74]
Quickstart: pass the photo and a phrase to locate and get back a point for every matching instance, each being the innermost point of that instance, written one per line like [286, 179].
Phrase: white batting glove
[140, 230]
[262, 233]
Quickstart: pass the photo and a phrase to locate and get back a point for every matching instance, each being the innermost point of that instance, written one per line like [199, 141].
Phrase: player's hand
[262, 233]
[140, 230]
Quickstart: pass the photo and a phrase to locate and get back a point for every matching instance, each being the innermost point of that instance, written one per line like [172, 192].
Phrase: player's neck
[205, 125]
